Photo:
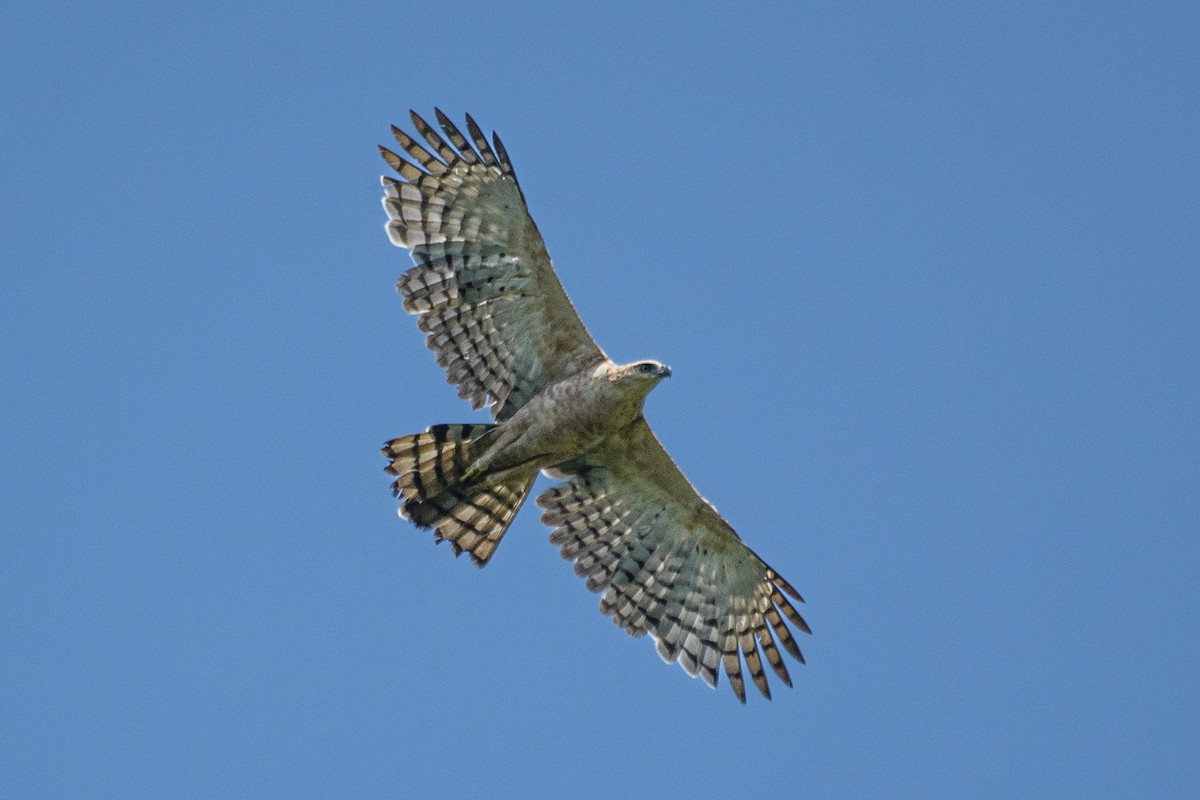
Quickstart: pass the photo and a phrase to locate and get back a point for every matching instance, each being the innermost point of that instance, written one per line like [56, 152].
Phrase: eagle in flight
[501, 325]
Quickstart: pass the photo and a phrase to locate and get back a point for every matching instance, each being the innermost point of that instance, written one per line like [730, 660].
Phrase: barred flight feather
[460, 211]
[707, 608]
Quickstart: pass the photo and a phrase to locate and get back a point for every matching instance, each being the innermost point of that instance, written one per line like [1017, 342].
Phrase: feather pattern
[668, 565]
[497, 317]
[431, 469]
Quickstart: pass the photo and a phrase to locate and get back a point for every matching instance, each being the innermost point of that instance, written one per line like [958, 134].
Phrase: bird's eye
[646, 368]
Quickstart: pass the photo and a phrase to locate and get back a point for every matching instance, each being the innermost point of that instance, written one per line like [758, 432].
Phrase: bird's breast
[569, 417]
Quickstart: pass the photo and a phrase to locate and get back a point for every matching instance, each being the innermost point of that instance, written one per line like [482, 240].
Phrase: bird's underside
[499, 322]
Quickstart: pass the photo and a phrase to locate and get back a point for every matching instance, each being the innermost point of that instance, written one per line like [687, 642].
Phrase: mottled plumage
[501, 325]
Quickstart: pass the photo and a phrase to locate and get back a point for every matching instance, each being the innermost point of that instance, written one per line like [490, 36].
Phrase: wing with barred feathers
[496, 316]
[669, 565]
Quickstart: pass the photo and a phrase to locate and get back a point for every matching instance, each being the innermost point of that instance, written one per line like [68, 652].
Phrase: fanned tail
[470, 513]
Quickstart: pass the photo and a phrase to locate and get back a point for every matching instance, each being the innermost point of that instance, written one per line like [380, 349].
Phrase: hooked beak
[665, 372]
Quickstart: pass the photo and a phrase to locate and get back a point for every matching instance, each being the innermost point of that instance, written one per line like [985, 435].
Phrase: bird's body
[569, 417]
[501, 325]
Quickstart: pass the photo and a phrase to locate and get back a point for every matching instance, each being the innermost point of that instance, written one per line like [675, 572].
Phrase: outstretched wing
[669, 564]
[498, 320]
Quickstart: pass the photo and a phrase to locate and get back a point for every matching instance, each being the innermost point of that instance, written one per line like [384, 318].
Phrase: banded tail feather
[468, 512]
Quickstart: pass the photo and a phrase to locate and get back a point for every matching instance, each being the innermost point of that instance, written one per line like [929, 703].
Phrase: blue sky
[928, 280]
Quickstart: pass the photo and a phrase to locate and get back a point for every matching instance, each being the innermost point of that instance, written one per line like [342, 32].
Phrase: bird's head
[647, 373]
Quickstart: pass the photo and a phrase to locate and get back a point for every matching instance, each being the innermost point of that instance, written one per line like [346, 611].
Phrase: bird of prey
[499, 322]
